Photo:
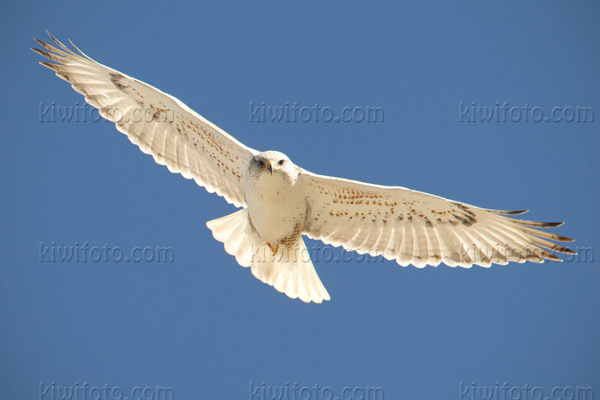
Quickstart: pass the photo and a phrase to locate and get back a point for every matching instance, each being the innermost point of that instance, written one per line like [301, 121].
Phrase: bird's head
[273, 163]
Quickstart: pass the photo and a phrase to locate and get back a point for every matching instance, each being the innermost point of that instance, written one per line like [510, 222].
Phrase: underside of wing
[417, 228]
[158, 123]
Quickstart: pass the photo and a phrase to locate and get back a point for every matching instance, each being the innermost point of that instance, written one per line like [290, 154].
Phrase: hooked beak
[270, 167]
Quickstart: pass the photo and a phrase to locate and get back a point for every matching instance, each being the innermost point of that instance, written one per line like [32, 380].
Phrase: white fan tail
[289, 270]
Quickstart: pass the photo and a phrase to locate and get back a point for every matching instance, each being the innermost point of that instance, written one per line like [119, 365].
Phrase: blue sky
[204, 326]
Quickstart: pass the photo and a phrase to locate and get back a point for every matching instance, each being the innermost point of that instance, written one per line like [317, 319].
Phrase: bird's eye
[261, 163]
[281, 162]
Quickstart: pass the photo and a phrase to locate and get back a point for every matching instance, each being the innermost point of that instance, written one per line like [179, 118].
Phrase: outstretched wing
[421, 229]
[158, 123]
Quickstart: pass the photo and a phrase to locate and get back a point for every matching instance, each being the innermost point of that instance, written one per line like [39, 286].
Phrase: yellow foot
[274, 249]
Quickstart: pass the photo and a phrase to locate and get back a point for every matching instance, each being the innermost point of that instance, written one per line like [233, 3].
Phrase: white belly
[275, 207]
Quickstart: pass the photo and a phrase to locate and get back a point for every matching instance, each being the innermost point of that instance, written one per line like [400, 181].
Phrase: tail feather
[290, 271]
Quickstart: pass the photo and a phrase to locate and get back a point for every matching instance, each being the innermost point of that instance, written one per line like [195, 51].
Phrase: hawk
[279, 201]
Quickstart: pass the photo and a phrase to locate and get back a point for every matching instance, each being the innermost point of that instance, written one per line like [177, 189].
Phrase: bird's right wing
[158, 123]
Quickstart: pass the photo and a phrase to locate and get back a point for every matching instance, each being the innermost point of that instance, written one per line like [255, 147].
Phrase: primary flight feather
[281, 202]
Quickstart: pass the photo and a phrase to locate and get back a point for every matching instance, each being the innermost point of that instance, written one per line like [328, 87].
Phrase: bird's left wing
[158, 123]
[418, 228]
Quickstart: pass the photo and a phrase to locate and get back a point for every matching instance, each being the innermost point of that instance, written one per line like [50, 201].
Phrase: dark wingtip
[554, 257]
[509, 212]
[537, 224]
[566, 239]
[517, 212]
[51, 35]
[52, 66]
[40, 52]
[563, 249]
[552, 224]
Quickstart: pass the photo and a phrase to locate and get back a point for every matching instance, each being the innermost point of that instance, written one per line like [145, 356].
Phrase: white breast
[275, 206]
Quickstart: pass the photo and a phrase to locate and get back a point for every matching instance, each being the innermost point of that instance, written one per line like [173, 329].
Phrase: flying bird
[280, 201]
